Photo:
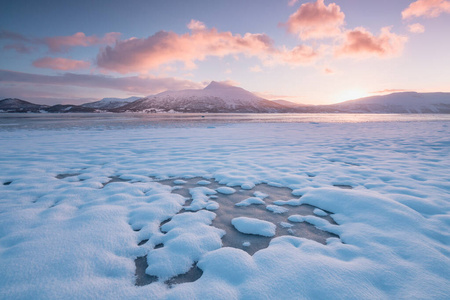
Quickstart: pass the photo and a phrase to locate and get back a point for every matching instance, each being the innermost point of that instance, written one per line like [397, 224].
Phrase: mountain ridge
[219, 97]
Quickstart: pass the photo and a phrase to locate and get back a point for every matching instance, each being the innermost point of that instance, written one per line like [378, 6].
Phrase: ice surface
[77, 237]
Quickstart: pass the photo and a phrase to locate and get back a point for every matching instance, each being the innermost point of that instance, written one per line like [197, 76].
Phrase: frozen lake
[114, 121]
[224, 206]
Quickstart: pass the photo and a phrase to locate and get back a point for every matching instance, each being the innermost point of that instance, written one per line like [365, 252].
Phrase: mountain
[110, 103]
[288, 103]
[18, 105]
[68, 108]
[215, 98]
[222, 98]
[405, 102]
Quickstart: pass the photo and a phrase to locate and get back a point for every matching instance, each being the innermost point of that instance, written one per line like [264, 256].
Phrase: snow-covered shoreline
[74, 237]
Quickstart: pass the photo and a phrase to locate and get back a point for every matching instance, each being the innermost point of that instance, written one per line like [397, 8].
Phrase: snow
[226, 190]
[319, 212]
[260, 195]
[77, 237]
[277, 209]
[179, 181]
[250, 201]
[254, 226]
[203, 182]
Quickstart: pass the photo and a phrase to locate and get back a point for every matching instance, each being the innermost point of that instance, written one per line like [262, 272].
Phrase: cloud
[389, 91]
[328, 71]
[13, 36]
[19, 41]
[141, 55]
[63, 43]
[292, 2]
[195, 25]
[416, 28]
[136, 84]
[23, 43]
[256, 69]
[361, 43]
[19, 47]
[316, 20]
[59, 63]
[426, 8]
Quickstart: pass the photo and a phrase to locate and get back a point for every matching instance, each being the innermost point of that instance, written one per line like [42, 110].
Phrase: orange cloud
[426, 8]
[59, 63]
[62, 43]
[416, 28]
[360, 42]
[316, 20]
[141, 55]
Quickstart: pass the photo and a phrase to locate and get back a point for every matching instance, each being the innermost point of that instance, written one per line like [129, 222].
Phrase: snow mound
[277, 209]
[250, 201]
[254, 226]
[226, 190]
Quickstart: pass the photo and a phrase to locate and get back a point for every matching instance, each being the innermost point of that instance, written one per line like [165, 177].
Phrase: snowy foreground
[78, 207]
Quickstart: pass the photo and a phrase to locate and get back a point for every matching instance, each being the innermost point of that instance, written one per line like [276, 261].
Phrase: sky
[311, 52]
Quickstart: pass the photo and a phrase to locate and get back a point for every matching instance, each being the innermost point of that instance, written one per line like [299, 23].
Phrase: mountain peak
[217, 85]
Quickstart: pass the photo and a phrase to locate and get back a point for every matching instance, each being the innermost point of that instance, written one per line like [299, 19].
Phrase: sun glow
[351, 94]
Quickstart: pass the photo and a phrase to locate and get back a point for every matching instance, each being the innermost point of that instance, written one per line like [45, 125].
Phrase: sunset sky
[307, 52]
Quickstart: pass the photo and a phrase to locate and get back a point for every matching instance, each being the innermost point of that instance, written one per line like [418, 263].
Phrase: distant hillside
[406, 102]
[288, 103]
[18, 105]
[110, 103]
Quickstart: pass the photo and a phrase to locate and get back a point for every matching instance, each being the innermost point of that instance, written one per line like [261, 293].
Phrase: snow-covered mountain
[216, 97]
[110, 103]
[18, 105]
[405, 102]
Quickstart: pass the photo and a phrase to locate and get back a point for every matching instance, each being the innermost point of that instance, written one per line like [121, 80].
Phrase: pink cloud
[62, 43]
[361, 43]
[426, 8]
[299, 55]
[196, 25]
[316, 20]
[141, 55]
[59, 63]
[416, 28]
[292, 2]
